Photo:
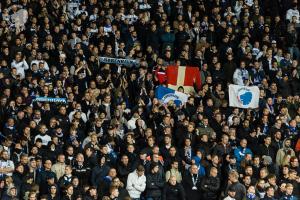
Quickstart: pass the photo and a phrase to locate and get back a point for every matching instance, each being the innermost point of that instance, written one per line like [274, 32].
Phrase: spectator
[154, 183]
[233, 183]
[192, 183]
[210, 185]
[286, 150]
[136, 182]
[173, 190]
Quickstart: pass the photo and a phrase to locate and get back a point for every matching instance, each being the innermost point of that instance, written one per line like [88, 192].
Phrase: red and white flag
[183, 76]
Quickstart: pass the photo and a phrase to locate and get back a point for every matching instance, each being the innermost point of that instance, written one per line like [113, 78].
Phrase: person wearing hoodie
[284, 151]
[173, 190]
[12, 194]
[154, 183]
[197, 161]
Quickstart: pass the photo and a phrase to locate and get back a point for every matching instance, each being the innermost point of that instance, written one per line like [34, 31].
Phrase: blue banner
[166, 94]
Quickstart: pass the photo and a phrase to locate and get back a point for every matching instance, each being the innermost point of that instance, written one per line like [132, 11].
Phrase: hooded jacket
[281, 153]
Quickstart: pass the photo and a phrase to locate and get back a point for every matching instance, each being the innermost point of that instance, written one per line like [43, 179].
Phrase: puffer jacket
[210, 187]
[154, 185]
[173, 192]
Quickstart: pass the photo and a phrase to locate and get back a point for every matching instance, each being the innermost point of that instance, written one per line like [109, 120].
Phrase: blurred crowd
[113, 139]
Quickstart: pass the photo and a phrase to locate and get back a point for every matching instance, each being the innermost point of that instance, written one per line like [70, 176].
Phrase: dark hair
[140, 168]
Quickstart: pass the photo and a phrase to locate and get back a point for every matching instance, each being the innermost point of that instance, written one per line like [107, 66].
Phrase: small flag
[243, 97]
[166, 94]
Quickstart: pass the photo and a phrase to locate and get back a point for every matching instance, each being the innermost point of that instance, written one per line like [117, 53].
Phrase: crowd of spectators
[113, 139]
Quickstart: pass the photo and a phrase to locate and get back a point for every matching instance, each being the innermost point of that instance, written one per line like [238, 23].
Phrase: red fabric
[172, 73]
[191, 74]
[297, 148]
[161, 76]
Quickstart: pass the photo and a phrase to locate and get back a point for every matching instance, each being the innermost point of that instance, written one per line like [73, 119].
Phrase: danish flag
[184, 76]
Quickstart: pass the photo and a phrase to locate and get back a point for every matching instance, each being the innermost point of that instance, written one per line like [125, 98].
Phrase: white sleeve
[288, 15]
[25, 65]
[141, 187]
[129, 183]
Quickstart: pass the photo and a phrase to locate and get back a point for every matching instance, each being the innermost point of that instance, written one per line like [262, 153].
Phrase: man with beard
[285, 150]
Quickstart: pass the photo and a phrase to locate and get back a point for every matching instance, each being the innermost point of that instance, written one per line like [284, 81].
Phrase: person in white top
[241, 75]
[6, 166]
[136, 182]
[20, 64]
[293, 12]
[43, 135]
[39, 60]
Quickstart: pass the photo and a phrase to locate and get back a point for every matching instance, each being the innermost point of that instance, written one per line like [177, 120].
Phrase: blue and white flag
[243, 96]
[50, 99]
[166, 94]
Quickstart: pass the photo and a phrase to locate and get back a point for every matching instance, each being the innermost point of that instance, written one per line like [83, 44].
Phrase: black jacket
[188, 187]
[98, 173]
[210, 187]
[123, 171]
[268, 151]
[173, 192]
[83, 173]
[154, 185]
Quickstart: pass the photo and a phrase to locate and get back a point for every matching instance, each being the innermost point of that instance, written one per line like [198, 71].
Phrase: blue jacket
[240, 153]
[201, 170]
